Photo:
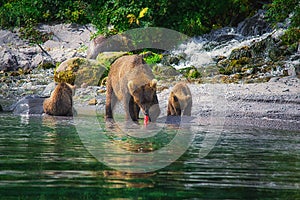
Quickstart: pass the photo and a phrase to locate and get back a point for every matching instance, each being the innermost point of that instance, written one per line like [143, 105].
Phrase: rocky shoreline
[272, 104]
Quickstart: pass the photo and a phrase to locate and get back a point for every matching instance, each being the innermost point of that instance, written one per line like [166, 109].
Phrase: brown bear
[130, 80]
[60, 102]
[180, 99]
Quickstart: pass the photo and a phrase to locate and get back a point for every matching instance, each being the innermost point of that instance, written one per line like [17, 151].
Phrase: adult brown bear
[60, 102]
[130, 80]
[180, 99]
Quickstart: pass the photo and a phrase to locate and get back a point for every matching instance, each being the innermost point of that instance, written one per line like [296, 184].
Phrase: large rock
[8, 61]
[107, 58]
[29, 105]
[114, 43]
[80, 71]
[67, 41]
[16, 53]
[256, 25]
[95, 47]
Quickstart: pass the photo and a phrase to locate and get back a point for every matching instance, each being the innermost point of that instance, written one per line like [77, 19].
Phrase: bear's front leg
[110, 101]
[127, 107]
[154, 110]
[188, 110]
[134, 110]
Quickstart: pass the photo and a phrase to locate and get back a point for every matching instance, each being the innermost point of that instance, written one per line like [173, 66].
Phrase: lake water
[47, 158]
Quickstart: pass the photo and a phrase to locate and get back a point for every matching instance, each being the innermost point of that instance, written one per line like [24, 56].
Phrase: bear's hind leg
[172, 110]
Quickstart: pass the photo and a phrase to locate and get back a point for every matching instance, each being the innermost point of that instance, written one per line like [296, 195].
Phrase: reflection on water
[43, 157]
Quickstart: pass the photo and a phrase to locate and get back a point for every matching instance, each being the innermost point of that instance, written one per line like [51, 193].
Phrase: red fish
[146, 120]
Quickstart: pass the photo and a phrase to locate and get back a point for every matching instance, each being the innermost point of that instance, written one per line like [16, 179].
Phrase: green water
[44, 158]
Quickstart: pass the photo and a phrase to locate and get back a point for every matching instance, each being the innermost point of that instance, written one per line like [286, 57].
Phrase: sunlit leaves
[143, 12]
[133, 19]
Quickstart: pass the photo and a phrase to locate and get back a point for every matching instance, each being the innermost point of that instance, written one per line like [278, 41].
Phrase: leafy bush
[32, 34]
[279, 10]
[153, 58]
[17, 13]
[111, 17]
[291, 36]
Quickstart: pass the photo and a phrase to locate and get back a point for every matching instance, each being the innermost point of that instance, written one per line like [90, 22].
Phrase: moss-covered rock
[190, 72]
[67, 70]
[88, 71]
[240, 53]
[261, 60]
[109, 57]
[164, 71]
[79, 70]
[291, 36]
[46, 65]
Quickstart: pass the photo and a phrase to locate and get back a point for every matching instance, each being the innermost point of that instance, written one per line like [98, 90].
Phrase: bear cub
[60, 102]
[180, 100]
[131, 81]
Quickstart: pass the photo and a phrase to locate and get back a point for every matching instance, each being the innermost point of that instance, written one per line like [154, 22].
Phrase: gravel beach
[275, 104]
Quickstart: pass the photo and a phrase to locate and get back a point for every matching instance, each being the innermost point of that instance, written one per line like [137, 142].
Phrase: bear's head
[143, 94]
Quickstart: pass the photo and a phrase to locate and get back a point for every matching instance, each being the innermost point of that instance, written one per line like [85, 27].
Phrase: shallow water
[46, 158]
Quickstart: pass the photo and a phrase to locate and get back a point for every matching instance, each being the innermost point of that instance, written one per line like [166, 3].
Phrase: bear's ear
[153, 83]
[131, 86]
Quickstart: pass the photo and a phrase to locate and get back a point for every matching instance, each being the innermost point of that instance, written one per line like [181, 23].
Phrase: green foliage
[115, 16]
[153, 58]
[65, 76]
[16, 13]
[34, 36]
[291, 36]
[190, 72]
[279, 10]
[111, 17]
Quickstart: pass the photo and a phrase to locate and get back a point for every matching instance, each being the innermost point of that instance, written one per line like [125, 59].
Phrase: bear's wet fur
[132, 82]
[60, 102]
[180, 100]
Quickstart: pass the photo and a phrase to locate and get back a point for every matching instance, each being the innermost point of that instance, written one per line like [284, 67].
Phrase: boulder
[49, 88]
[77, 71]
[89, 72]
[107, 58]
[255, 25]
[67, 41]
[114, 43]
[8, 61]
[95, 47]
[28, 105]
